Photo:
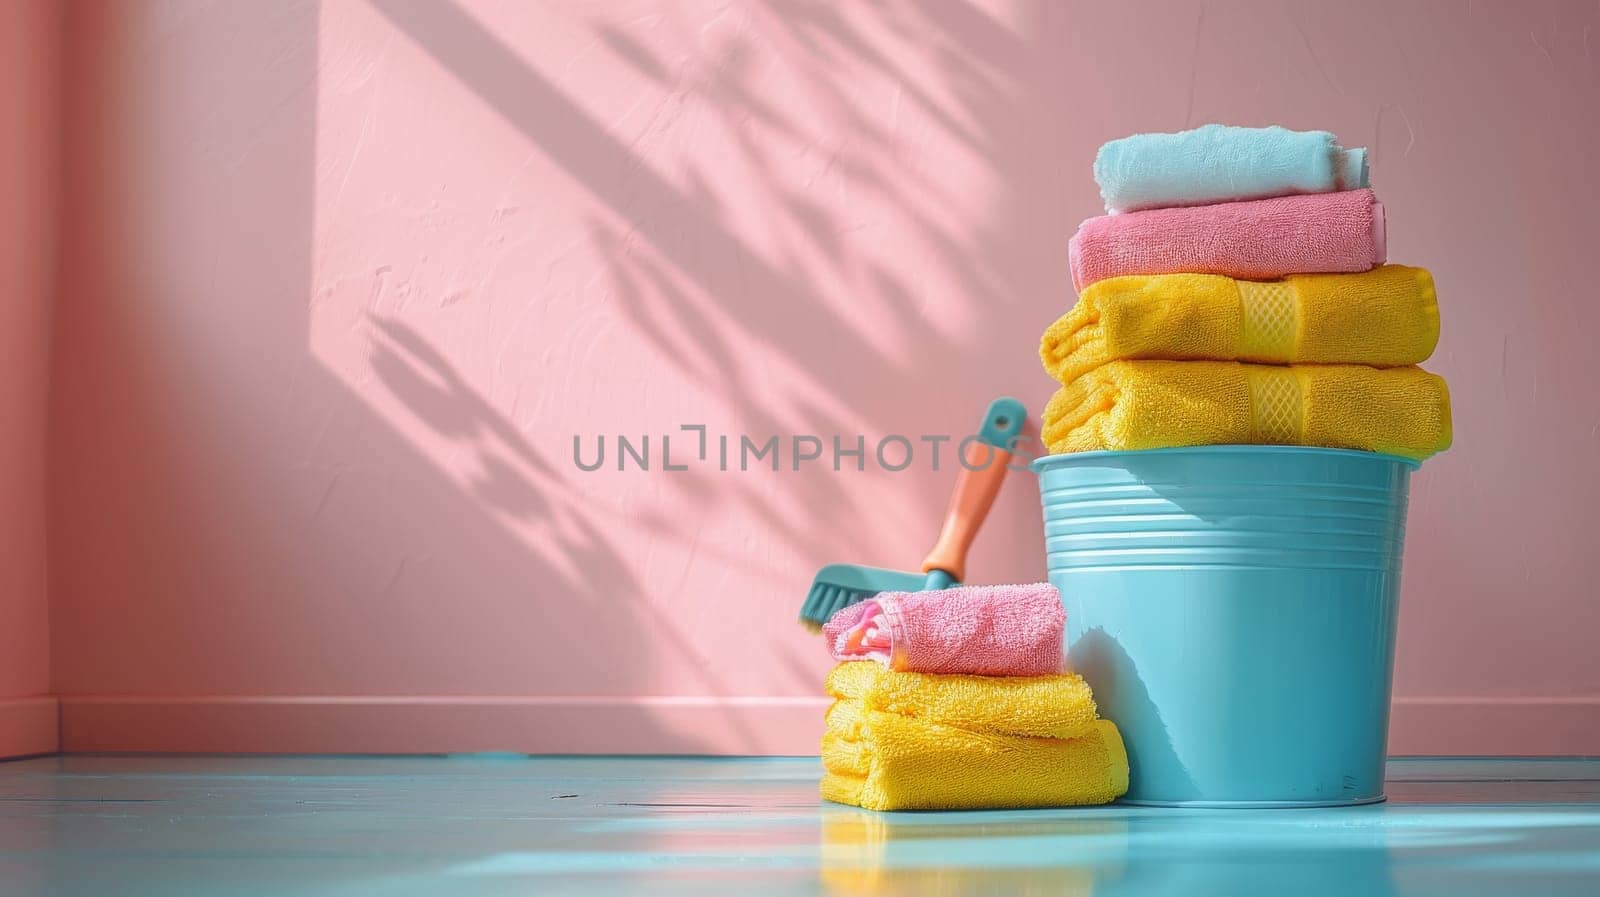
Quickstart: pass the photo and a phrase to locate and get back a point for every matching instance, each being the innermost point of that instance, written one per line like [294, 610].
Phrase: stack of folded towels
[1237, 293]
[955, 699]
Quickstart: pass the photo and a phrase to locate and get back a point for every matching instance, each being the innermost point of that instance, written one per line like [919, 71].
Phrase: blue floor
[470, 826]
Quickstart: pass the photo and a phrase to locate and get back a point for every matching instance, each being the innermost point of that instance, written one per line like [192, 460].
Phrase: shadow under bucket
[1233, 608]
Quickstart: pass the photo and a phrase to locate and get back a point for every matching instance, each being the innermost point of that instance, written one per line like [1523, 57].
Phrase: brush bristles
[824, 601]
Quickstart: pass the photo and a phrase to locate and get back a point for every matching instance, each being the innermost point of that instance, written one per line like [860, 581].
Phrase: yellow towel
[1384, 317]
[1157, 404]
[900, 763]
[1058, 706]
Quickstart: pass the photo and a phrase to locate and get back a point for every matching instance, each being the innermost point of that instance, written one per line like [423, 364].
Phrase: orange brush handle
[976, 488]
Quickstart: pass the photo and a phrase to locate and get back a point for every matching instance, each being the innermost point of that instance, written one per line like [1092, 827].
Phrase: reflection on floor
[483, 825]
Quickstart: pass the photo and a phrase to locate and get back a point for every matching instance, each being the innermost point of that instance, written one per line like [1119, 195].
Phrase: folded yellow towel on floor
[1158, 404]
[885, 761]
[1384, 317]
[1056, 706]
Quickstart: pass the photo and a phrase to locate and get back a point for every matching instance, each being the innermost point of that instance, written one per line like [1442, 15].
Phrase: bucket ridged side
[1233, 608]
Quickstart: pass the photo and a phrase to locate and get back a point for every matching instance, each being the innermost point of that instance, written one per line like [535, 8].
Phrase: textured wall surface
[30, 77]
[343, 281]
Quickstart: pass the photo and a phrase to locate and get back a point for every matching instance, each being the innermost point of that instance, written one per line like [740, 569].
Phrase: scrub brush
[986, 460]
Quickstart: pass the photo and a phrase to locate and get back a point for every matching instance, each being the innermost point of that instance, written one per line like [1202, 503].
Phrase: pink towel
[1010, 630]
[1260, 239]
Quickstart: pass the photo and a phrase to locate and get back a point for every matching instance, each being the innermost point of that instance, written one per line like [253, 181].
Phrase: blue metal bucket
[1233, 608]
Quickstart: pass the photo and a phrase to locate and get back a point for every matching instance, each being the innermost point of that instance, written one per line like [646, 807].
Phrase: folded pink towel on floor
[1255, 240]
[1009, 630]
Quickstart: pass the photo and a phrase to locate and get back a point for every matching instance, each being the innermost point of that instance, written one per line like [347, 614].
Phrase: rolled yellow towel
[1057, 706]
[1159, 404]
[885, 761]
[1384, 317]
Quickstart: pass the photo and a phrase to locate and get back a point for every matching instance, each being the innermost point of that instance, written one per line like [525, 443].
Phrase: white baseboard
[444, 724]
[28, 726]
[1530, 726]
[1495, 726]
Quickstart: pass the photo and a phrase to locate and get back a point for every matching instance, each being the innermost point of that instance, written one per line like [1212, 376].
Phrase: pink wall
[343, 281]
[30, 66]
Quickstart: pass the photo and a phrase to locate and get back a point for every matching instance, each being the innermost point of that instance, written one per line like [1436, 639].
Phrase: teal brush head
[841, 585]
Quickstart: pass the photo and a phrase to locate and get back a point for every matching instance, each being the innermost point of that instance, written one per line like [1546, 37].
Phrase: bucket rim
[1039, 465]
